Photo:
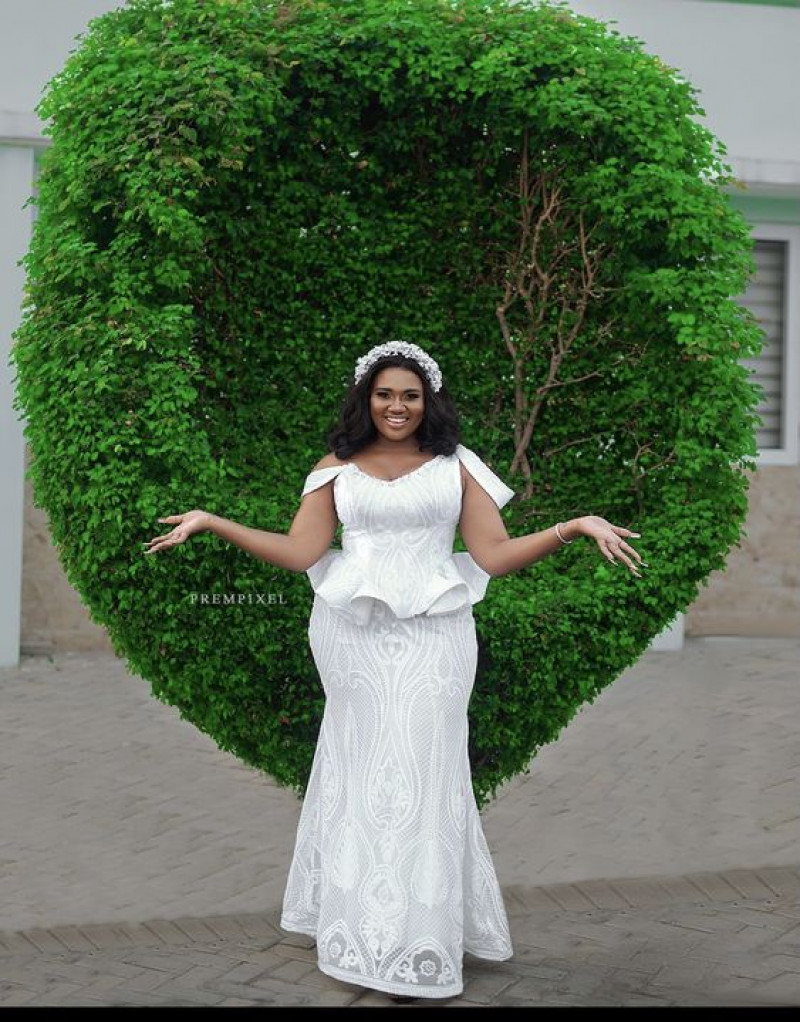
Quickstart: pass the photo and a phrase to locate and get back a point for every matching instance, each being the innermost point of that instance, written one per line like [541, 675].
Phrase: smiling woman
[391, 872]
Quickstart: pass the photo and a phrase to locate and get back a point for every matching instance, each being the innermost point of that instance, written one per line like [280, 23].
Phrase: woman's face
[397, 403]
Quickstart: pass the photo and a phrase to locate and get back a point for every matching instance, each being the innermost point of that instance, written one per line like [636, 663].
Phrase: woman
[391, 872]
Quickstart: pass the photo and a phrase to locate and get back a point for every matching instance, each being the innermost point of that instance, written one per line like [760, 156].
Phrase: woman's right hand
[186, 525]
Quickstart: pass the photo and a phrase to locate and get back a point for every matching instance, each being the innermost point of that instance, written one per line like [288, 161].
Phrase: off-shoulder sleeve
[319, 476]
[493, 484]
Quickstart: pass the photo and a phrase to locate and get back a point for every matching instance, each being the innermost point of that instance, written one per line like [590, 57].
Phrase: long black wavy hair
[438, 432]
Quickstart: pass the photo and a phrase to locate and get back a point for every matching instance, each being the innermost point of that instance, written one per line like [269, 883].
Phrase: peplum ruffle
[341, 581]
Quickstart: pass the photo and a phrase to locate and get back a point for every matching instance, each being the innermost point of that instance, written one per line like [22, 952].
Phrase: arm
[309, 536]
[487, 540]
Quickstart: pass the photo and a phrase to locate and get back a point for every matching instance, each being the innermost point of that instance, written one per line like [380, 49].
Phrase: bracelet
[566, 542]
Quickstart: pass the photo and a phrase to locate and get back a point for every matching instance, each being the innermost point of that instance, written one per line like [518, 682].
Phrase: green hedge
[242, 197]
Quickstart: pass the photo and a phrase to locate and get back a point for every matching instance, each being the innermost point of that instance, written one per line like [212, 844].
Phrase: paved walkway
[651, 856]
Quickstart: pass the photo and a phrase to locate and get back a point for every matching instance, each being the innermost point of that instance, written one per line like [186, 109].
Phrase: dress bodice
[397, 538]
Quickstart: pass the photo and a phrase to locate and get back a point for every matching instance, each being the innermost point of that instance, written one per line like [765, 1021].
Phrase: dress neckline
[397, 479]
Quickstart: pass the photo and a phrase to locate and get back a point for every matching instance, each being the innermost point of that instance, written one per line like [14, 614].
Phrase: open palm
[186, 525]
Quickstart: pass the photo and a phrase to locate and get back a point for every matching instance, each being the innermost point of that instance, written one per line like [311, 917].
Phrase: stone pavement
[651, 855]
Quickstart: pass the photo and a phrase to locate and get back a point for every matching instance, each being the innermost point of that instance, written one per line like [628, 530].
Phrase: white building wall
[743, 59]
[36, 37]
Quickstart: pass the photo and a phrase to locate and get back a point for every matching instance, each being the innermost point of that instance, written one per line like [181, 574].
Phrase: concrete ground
[651, 855]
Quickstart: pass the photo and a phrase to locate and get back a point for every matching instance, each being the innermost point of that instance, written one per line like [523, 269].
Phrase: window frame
[788, 453]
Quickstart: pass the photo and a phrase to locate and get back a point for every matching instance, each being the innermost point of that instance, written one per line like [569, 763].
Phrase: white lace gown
[391, 872]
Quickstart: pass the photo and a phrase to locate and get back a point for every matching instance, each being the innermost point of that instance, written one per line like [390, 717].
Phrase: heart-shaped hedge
[242, 197]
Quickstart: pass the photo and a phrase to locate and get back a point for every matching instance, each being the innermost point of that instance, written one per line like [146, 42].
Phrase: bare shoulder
[329, 461]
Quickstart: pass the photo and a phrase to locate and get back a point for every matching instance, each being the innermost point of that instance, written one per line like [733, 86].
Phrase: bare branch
[552, 265]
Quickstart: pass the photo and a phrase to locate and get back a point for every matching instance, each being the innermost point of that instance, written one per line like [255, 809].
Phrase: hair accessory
[424, 360]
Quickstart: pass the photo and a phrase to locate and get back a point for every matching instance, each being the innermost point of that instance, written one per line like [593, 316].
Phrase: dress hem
[298, 928]
[385, 986]
[487, 956]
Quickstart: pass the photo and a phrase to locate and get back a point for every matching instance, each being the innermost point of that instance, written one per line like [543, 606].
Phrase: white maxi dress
[391, 872]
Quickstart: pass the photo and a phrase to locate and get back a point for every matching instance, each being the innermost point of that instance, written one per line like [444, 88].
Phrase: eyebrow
[408, 390]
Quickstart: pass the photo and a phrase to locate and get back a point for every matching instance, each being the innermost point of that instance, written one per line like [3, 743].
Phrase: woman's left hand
[611, 542]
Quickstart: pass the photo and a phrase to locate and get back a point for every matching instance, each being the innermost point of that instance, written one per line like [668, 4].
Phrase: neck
[408, 445]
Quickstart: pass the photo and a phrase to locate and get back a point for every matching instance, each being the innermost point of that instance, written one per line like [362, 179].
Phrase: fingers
[613, 546]
[163, 542]
[620, 531]
[622, 552]
[156, 545]
[630, 550]
[169, 539]
[629, 562]
[625, 560]
[161, 546]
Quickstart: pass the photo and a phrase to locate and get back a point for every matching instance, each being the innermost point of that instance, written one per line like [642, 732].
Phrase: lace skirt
[391, 872]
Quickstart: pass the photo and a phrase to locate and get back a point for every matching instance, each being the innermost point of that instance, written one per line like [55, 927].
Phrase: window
[773, 296]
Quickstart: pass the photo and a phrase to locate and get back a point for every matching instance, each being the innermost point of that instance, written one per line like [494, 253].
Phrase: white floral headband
[426, 363]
